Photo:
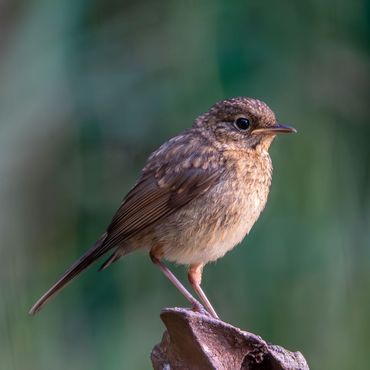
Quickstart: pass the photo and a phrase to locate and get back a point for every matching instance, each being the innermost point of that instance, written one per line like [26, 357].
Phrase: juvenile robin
[197, 197]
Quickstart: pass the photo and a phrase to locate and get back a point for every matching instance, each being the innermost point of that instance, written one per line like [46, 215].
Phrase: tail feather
[96, 251]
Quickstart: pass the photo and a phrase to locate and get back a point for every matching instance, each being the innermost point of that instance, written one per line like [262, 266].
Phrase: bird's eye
[242, 124]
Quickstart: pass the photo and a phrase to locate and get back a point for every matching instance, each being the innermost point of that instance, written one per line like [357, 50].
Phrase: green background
[89, 88]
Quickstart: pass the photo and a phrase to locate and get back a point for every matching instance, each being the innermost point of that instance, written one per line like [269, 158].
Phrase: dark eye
[242, 124]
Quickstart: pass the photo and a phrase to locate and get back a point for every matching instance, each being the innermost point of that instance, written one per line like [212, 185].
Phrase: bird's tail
[96, 251]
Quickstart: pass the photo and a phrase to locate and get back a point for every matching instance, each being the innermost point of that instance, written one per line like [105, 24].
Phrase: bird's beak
[278, 128]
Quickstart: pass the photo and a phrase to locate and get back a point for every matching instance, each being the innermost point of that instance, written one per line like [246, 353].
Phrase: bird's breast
[214, 223]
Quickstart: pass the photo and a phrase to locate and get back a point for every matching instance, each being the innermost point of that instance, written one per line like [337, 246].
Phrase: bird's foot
[197, 307]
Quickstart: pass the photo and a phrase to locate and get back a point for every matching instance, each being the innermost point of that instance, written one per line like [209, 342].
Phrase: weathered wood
[196, 341]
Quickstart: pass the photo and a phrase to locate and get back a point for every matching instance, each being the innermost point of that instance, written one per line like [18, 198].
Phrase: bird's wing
[153, 199]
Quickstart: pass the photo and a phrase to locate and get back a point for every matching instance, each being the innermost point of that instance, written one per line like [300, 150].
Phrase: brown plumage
[197, 197]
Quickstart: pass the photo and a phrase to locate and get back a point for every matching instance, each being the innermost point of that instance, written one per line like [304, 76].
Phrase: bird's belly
[206, 248]
[200, 234]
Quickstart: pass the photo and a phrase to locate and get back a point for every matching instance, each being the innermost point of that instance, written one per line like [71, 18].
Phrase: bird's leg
[195, 279]
[176, 282]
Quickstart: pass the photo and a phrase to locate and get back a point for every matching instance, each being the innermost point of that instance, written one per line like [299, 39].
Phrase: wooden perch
[196, 341]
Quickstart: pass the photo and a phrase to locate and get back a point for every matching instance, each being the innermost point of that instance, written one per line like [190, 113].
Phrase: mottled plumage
[197, 197]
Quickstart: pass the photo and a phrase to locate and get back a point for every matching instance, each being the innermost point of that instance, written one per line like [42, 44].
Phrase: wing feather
[148, 202]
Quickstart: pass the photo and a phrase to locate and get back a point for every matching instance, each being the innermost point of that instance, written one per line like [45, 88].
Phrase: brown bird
[197, 197]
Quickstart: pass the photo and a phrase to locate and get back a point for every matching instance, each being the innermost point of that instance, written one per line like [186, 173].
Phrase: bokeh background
[89, 88]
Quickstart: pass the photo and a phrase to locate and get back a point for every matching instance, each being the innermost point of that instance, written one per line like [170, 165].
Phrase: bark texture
[196, 341]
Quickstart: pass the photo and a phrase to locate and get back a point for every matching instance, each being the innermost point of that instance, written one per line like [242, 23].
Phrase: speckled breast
[214, 223]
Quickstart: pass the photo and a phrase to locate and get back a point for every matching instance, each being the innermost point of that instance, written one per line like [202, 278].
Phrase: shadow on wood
[196, 341]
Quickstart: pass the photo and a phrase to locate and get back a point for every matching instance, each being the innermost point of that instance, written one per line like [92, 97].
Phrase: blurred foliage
[89, 89]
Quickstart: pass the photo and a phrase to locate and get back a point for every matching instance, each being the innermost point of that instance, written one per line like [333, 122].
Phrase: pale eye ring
[242, 124]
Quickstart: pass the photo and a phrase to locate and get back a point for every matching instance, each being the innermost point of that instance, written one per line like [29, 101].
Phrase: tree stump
[196, 341]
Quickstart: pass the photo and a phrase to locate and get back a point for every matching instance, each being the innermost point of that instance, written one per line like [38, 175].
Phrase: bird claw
[197, 307]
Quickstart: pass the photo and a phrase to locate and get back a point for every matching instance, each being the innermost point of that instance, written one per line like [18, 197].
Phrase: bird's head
[242, 123]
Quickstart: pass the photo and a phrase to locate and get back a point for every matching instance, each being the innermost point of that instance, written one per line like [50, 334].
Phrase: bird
[197, 197]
